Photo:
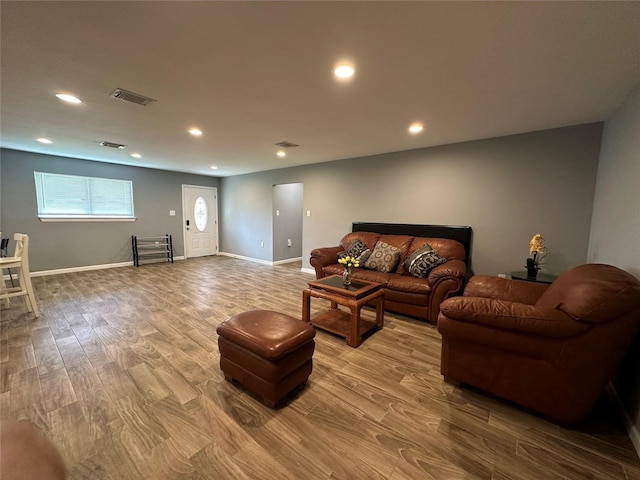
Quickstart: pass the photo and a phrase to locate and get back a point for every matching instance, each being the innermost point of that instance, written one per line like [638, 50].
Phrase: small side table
[540, 278]
[349, 325]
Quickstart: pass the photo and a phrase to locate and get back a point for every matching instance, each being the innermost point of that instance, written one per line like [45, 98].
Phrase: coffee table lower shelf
[338, 322]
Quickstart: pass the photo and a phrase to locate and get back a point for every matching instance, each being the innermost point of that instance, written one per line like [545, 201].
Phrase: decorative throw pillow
[354, 250]
[424, 263]
[364, 256]
[384, 258]
[424, 248]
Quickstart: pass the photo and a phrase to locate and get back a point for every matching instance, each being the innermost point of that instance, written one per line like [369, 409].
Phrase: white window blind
[76, 197]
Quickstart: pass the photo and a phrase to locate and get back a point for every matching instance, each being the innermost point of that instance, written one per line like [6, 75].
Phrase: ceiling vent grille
[127, 96]
[113, 145]
[285, 144]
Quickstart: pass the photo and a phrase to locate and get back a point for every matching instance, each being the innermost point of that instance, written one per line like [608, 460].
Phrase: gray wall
[615, 229]
[506, 188]
[73, 244]
[287, 221]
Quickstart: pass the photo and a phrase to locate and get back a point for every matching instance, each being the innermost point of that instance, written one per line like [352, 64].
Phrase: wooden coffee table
[350, 325]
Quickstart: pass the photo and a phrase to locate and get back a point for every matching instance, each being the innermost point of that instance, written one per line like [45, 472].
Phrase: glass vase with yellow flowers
[349, 263]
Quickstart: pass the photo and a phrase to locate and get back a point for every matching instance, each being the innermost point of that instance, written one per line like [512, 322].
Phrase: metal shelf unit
[151, 248]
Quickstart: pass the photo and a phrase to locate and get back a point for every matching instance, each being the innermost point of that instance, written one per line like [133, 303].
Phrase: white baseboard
[266, 262]
[288, 260]
[249, 259]
[84, 268]
[632, 429]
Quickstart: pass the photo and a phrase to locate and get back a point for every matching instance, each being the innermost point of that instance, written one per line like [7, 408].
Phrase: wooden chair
[20, 261]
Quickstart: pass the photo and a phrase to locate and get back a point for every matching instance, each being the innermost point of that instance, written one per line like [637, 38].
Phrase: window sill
[87, 219]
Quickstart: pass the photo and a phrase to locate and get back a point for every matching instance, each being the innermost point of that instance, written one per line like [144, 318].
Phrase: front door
[200, 220]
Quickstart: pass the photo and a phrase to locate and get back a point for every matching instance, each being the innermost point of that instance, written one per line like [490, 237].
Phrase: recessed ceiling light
[195, 132]
[344, 71]
[136, 155]
[281, 153]
[416, 128]
[213, 167]
[43, 140]
[68, 98]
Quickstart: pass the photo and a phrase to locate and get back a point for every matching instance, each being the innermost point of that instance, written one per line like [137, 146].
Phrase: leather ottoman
[267, 352]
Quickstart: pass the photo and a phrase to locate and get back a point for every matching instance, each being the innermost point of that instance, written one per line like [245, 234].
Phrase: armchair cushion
[512, 316]
[488, 286]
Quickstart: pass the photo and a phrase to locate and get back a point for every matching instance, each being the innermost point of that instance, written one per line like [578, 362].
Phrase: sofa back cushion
[368, 238]
[403, 242]
[449, 249]
[593, 293]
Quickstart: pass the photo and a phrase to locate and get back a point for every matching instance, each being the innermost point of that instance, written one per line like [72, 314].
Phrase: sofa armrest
[450, 268]
[321, 257]
[511, 316]
[518, 291]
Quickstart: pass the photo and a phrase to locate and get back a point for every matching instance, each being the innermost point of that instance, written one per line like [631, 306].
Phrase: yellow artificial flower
[349, 262]
[535, 245]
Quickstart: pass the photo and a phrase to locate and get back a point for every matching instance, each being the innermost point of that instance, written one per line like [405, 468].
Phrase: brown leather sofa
[404, 293]
[550, 348]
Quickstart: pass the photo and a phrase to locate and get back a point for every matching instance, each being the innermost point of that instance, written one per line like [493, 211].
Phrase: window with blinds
[71, 197]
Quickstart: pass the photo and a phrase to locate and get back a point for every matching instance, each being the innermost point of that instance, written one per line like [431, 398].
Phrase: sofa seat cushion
[359, 274]
[406, 283]
[372, 276]
[405, 298]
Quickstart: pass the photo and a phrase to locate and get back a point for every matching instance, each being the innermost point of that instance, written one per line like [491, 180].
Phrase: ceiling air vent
[285, 144]
[113, 145]
[127, 96]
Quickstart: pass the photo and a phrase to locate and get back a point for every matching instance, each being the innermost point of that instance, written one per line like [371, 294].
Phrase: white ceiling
[251, 74]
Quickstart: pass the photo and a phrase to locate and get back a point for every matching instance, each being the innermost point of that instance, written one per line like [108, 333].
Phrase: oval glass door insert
[201, 214]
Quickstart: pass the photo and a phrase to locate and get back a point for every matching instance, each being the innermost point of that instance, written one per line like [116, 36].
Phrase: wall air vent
[285, 144]
[119, 146]
[127, 96]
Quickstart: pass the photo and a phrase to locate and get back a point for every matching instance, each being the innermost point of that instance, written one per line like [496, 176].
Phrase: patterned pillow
[424, 263]
[384, 258]
[354, 250]
[424, 248]
[364, 256]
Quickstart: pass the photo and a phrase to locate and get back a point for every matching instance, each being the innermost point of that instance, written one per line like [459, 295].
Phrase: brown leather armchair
[550, 348]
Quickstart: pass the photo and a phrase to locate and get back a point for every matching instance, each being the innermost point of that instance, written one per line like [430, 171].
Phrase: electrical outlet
[288, 242]
[502, 275]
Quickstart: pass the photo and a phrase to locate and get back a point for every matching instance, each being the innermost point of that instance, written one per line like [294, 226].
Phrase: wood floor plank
[121, 371]
[25, 389]
[57, 389]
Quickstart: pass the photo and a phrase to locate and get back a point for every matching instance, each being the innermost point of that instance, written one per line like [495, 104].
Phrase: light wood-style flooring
[121, 373]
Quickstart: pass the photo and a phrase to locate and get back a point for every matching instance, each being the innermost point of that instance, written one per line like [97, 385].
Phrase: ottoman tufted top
[268, 334]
